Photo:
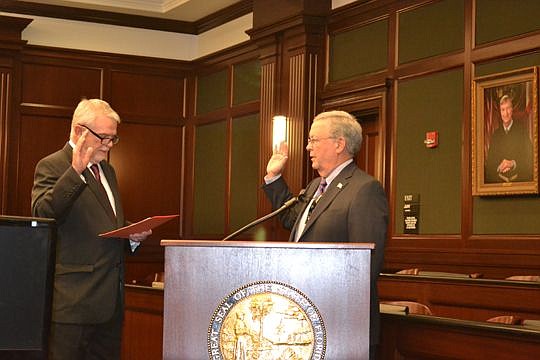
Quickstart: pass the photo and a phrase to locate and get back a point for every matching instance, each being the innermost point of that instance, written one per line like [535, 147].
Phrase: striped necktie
[318, 194]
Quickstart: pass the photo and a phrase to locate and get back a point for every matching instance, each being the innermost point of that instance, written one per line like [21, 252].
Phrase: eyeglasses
[313, 141]
[105, 139]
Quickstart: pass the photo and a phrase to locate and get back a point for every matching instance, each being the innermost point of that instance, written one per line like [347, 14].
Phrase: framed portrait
[505, 133]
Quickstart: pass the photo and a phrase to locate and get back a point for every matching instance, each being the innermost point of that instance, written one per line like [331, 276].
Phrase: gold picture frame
[505, 161]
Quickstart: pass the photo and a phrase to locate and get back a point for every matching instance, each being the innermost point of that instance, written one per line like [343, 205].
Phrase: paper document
[143, 225]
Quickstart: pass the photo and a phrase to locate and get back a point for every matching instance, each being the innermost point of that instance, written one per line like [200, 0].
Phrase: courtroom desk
[422, 337]
[464, 298]
[142, 336]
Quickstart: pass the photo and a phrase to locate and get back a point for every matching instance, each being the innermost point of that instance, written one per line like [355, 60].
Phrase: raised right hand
[278, 160]
[81, 154]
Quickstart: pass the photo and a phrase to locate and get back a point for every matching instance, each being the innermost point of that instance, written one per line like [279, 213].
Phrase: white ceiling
[182, 10]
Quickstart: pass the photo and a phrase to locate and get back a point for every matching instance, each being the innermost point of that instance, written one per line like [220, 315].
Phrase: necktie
[95, 170]
[318, 194]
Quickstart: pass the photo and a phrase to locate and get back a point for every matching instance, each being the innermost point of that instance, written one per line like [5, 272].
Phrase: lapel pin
[340, 185]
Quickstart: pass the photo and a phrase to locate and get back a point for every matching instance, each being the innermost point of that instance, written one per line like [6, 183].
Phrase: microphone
[287, 204]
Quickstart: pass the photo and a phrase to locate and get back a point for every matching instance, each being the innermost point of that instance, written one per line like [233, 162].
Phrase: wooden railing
[464, 298]
[421, 337]
[457, 329]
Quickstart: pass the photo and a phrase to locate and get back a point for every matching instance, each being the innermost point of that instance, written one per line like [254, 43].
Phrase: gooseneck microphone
[287, 204]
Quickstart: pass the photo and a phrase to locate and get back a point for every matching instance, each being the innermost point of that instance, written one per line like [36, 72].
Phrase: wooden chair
[150, 279]
[531, 323]
[413, 271]
[417, 271]
[412, 307]
[506, 319]
[534, 278]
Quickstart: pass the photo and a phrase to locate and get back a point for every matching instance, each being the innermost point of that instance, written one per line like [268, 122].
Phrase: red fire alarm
[432, 139]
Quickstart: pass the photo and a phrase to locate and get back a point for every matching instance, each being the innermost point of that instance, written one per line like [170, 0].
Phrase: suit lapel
[310, 192]
[335, 187]
[111, 179]
[100, 193]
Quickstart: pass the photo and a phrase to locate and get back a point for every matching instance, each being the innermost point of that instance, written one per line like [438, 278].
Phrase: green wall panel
[430, 103]
[510, 64]
[246, 82]
[430, 30]
[245, 180]
[359, 51]
[506, 214]
[499, 19]
[209, 207]
[211, 92]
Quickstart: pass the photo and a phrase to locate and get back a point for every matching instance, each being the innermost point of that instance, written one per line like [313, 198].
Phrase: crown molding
[136, 21]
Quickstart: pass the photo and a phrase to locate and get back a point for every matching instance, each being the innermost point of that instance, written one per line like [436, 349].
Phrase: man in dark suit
[510, 150]
[78, 188]
[351, 207]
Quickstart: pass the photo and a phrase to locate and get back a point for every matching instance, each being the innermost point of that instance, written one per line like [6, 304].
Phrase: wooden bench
[429, 337]
[462, 297]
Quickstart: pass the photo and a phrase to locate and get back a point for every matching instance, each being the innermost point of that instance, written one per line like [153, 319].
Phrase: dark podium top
[27, 248]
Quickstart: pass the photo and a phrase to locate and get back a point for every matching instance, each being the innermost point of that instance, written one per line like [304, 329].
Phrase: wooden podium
[281, 286]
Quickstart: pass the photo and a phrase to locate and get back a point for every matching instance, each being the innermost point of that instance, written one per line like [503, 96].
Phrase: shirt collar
[509, 126]
[336, 171]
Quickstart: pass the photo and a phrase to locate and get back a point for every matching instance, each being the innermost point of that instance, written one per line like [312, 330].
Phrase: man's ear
[340, 145]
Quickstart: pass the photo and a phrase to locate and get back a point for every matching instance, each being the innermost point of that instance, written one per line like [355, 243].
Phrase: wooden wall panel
[40, 137]
[148, 165]
[59, 85]
[449, 239]
[148, 98]
[149, 158]
[142, 337]
[5, 94]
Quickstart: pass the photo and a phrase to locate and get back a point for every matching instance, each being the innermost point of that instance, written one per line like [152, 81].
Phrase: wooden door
[370, 158]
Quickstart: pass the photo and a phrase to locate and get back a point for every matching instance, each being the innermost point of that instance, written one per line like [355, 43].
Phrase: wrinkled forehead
[320, 127]
[103, 122]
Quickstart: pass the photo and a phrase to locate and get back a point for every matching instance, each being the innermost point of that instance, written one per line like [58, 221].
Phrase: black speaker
[27, 252]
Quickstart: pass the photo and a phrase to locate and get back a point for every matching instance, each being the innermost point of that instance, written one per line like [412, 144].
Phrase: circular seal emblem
[266, 320]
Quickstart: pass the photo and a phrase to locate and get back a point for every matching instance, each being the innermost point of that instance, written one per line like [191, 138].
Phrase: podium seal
[266, 320]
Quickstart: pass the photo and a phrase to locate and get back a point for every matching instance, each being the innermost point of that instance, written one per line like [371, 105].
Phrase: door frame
[370, 103]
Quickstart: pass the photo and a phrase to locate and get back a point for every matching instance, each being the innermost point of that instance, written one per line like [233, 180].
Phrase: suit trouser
[87, 341]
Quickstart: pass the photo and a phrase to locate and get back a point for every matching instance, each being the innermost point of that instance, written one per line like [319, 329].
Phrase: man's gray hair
[343, 124]
[88, 109]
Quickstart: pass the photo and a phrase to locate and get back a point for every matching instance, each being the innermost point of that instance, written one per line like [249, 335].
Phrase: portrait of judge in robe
[508, 135]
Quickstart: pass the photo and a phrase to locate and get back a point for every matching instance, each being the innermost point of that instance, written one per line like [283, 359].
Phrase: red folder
[138, 227]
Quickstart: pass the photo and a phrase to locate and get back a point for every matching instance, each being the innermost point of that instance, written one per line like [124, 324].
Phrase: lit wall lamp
[279, 130]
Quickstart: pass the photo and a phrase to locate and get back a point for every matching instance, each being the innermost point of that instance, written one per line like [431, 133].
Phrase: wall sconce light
[279, 130]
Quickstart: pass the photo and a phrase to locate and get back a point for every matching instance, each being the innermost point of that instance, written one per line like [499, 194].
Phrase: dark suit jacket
[353, 208]
[89, 269]
[514, 145]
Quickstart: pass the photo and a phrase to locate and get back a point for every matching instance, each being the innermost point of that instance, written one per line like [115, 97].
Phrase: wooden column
[10, 49]
[291, 44]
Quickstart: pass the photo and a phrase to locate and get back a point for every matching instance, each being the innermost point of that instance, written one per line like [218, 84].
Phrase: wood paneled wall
[149, 95]
[433, 51]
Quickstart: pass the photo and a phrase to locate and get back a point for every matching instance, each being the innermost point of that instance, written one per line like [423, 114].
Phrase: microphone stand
[283, 207]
